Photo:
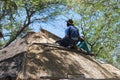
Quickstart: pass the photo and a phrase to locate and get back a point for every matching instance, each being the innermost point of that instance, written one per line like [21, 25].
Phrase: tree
[10, 12]
[100, 21]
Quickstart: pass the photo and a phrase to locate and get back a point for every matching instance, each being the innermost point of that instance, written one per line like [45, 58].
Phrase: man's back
[72, 32]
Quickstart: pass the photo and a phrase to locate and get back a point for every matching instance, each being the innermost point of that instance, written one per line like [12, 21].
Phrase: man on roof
[71, 37]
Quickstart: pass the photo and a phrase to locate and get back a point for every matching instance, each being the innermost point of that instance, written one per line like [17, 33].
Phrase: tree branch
[27, 22]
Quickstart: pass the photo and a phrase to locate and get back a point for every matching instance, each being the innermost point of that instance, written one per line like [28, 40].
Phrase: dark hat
[70, 21]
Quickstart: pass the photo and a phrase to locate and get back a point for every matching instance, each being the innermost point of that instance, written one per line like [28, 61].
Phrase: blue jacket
[72, 32]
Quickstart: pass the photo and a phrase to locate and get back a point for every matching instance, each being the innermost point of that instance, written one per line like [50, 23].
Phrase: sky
[57, 25]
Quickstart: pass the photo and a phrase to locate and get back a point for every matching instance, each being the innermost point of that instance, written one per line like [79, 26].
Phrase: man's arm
[67, 32]
[80, 38]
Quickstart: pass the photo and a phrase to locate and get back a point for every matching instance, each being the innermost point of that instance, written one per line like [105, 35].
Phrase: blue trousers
[67, 42]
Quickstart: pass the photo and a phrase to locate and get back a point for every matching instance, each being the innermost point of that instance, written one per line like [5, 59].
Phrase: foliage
[12, 11]
[100, 21]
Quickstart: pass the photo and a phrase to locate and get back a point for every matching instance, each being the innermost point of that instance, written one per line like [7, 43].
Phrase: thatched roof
[36, 56]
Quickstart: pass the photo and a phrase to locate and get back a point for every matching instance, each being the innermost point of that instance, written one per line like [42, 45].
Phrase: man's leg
[64, 42]
[84, 46]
